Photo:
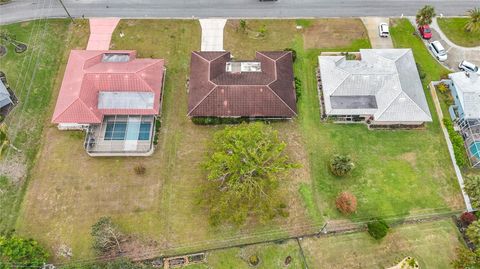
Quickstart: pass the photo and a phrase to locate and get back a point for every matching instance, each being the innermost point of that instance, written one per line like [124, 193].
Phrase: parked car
[468, 67]
[383, 30]
[438, 50]
[425, 31]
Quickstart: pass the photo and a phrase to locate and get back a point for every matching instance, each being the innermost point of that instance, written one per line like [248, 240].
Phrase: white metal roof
[4, 95]
[388, 74]
[468, 90]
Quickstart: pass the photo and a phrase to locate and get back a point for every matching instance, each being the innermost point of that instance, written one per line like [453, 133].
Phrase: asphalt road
[21, 10]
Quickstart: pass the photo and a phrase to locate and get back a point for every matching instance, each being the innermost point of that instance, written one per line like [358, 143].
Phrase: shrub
[377, 228]
[346, 203]
[140, 169]
[443, 88]
[294, 53]
[473, 232]
[298, 88]
[467, 218]
[472, 188]
[341, 165]
[24, 253]
[457, 143]
[465, 258]
[253, 260]
[243, 25]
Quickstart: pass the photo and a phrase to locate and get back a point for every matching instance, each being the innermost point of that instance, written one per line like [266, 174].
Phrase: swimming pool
[128, 131]
[475, 149]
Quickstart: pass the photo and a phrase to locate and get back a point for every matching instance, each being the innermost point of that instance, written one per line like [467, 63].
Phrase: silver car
[468, 67]
[438, 50]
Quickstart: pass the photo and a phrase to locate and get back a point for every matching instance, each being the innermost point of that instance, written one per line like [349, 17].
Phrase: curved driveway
[21, 10]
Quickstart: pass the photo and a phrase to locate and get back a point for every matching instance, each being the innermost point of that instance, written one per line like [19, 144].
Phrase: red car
[425, 31]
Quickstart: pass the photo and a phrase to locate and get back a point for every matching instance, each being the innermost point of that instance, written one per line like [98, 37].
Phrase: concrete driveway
[371, 23]
[456, 53]
[212, 34]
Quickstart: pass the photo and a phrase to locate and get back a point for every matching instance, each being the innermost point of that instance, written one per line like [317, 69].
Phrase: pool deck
[110, 147]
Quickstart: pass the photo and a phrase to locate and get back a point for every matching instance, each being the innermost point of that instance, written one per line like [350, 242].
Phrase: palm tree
[474, 24]
[425, 15]
[341, 165]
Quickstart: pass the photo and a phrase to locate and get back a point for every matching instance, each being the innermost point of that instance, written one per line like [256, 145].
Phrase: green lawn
[455, 31]
[70, 190]
[32, 76]
[398, 173]
[271, 255]
[432, 244]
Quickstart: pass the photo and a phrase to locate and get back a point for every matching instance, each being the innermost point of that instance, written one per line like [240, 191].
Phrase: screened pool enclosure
[470, 130]
[121, 135]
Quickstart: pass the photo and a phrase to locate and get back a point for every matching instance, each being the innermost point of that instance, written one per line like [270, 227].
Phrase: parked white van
[438, 50]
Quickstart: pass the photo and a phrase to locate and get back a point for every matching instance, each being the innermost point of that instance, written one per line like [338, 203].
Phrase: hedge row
[457, 142]
[219, 121]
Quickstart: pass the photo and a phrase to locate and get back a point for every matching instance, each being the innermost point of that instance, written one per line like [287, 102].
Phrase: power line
[66, 10]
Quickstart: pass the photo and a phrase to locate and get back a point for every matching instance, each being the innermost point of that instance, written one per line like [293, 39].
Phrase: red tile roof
[215, 92]
[86, 75]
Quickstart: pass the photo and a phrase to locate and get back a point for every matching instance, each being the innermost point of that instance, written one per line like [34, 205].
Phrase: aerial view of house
[115, 97]
[465, 89]
[222, 87]
[382, 88]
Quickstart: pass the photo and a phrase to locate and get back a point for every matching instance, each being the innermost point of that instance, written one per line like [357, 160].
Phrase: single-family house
[115, 97]
[222, 87]
[465, 112]
[8, 100]
[382, 88]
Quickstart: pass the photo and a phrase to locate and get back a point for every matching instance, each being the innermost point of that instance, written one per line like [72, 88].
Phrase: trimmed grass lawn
[397, 172]
[271, 255]
[455, 31]
[32, 76]
[70, 190]
[432, 244]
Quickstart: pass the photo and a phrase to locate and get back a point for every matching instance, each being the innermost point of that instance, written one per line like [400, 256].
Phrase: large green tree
[16, 252]
[473, 24]
[472, 188]
[245, 166]
[425, 15]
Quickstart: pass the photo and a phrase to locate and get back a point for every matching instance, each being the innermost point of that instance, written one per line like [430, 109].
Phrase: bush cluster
[377, 228]
[457, 142]
[346, 203]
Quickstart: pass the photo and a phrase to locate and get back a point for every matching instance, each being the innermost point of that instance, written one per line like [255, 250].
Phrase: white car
[468, 67]
[438, 50]
[383, 30]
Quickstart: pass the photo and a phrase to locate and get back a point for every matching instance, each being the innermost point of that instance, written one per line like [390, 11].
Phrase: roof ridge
[78, 99]
[203, 99]
[268, 86]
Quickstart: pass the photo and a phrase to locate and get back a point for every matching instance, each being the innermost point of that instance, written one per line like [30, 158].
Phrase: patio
[121, 136]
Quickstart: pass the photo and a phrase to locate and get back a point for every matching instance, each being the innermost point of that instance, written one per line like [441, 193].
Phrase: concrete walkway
[212, 34]
[101, 33]
[372, 23]
[466, 199]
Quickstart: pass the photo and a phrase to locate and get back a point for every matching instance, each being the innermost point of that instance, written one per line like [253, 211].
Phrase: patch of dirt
[410, 157]
[333, 33]
[14, 167]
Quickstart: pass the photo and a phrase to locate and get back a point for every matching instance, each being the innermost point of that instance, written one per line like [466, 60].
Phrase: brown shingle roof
[217, 93]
